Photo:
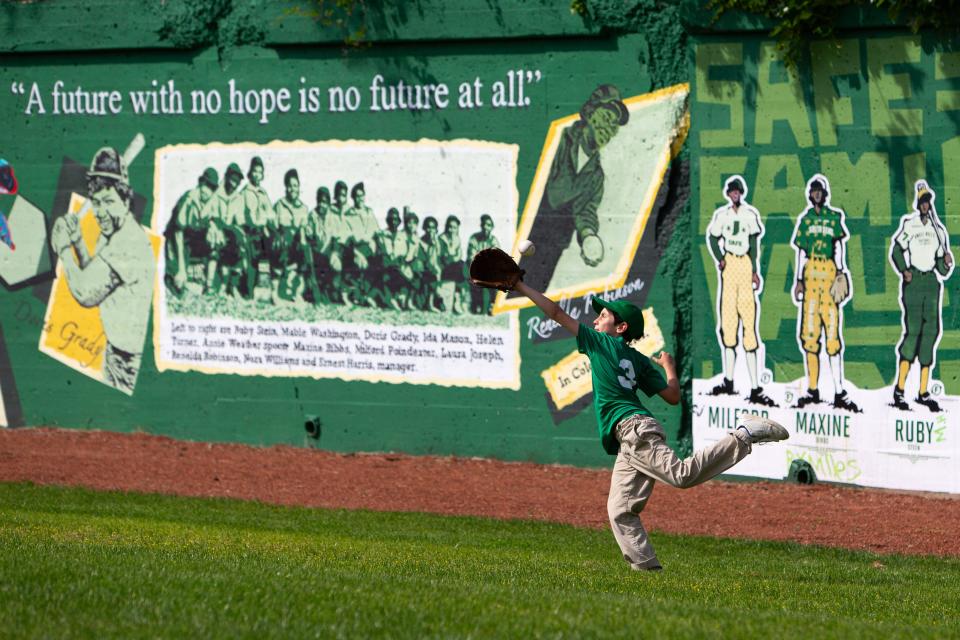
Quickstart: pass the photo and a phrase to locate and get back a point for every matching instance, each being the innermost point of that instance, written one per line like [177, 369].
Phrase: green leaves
[799, 21]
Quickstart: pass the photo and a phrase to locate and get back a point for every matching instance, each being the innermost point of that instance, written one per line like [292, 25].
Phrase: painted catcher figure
[627, 429]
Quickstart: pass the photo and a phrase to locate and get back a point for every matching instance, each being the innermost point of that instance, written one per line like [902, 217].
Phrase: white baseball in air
[527, 248]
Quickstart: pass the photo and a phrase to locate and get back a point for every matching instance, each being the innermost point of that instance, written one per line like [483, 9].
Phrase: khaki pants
[738, 302]
[645, 458]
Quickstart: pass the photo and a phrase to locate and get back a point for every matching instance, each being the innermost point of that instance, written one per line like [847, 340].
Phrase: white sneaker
[760, 430]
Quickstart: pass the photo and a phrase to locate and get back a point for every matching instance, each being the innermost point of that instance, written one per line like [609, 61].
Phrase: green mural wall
[153, 100]
[867, 381]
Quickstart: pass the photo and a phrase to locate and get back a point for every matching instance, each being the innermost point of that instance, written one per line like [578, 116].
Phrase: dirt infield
[875, 520]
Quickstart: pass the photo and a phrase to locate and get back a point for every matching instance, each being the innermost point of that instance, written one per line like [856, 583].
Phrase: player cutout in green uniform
[408, 263]
[628, 429]
[920, 252]
[822, 287]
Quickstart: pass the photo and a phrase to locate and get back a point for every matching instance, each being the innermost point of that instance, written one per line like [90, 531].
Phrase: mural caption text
[164, 98]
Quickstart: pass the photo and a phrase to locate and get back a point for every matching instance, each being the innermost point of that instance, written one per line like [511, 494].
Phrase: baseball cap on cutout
[735, 185]
[626, 311]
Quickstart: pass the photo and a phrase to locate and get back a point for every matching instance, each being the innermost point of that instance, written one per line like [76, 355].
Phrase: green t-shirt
[618, 372]
[818, 233]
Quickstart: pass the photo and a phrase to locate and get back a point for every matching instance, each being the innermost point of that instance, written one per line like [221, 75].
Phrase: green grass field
[76, 563]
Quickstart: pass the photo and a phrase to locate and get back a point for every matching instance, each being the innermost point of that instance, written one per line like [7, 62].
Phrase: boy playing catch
[627, 428]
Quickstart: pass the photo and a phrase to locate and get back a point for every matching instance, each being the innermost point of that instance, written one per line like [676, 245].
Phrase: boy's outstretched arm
[671, 393]
[549, 307]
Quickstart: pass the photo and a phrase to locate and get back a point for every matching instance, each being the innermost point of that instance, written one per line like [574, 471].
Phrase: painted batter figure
[920, 252]
[629, 431]
[734, 240]
[823, 286]
[118, 277]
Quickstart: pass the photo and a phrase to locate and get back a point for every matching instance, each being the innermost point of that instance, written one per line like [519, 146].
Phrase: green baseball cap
[626, 311]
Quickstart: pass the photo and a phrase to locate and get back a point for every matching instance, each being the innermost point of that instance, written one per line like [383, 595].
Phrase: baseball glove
[495, 269]
[840, 288]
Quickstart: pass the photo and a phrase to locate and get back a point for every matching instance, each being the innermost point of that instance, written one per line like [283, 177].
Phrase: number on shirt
[630, 381]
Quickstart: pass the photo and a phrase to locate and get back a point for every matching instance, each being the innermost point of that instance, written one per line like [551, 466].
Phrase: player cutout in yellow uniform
[734, 237]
